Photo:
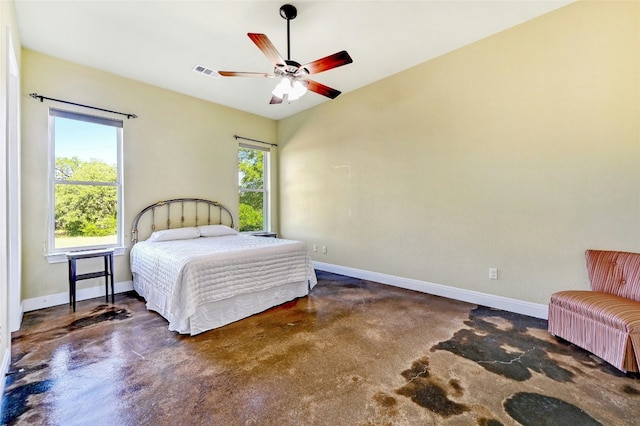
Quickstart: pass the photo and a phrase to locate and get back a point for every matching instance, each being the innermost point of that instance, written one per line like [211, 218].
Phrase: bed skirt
[222, 312]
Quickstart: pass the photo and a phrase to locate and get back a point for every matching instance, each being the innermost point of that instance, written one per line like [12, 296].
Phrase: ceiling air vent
[206, 71]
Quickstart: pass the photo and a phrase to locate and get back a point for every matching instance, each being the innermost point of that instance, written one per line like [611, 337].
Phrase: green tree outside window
[252, 189]
[85, 210]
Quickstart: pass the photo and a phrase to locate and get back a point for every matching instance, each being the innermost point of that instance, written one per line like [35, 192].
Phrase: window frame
[54, 254]
[266, 187]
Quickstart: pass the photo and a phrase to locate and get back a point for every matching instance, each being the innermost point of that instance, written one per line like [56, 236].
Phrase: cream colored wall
[518, 152]
[178, 147]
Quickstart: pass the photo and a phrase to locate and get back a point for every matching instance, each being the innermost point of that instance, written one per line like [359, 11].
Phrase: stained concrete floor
[352, 353]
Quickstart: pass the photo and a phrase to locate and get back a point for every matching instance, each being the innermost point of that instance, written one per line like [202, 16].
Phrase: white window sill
[62, 257]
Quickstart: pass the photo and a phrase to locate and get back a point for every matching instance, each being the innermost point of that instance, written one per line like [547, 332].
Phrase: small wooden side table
[107, 273]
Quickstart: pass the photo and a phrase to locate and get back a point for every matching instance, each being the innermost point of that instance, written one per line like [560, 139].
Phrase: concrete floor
[352, 353]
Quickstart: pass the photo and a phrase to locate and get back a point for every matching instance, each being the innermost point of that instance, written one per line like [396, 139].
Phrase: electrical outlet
[315, 248]
[324, 249]
[493, 273]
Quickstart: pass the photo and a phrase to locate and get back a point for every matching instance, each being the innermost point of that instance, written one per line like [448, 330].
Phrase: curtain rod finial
[36, 96]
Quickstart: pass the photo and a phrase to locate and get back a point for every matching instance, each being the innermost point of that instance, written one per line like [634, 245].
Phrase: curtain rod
[254, 140]
[42, 98]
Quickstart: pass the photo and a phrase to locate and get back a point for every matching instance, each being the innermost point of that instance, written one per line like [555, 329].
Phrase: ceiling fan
[294, 81]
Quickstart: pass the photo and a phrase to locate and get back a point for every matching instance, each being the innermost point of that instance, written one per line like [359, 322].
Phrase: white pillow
[175, 234]
[216, 231]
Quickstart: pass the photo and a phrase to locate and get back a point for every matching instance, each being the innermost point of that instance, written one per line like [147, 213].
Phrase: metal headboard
[211, 206]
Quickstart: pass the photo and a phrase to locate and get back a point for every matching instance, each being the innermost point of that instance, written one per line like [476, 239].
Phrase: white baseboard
[4, 369]
[536, 310]
[63, 298]
[531, 309]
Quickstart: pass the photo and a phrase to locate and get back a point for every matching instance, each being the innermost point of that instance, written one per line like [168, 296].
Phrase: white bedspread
[177, 277]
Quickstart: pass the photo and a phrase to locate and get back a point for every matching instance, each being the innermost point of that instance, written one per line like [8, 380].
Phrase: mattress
[188, 281]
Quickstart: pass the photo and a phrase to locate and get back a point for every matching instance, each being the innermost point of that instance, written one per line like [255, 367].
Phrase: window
[253, 166]
[85, 198]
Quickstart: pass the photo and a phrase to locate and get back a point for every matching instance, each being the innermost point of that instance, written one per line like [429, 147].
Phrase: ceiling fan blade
[269, 50]
[275, 100]
[328, 62]
[244, 74]
[321, 89]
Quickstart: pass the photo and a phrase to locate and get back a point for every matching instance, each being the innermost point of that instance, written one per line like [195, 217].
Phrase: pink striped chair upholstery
[606, 320]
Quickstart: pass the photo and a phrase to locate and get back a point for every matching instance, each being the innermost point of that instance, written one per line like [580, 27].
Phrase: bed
[197, 271]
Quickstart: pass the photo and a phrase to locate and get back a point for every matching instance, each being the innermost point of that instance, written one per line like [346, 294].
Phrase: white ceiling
[159, 42]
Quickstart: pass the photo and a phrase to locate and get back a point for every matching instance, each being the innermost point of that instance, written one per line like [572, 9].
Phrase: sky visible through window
[86, 140]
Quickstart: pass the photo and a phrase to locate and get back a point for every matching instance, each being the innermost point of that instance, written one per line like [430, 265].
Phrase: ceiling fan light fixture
[293, 90]
[297, 90]
[283, 88]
